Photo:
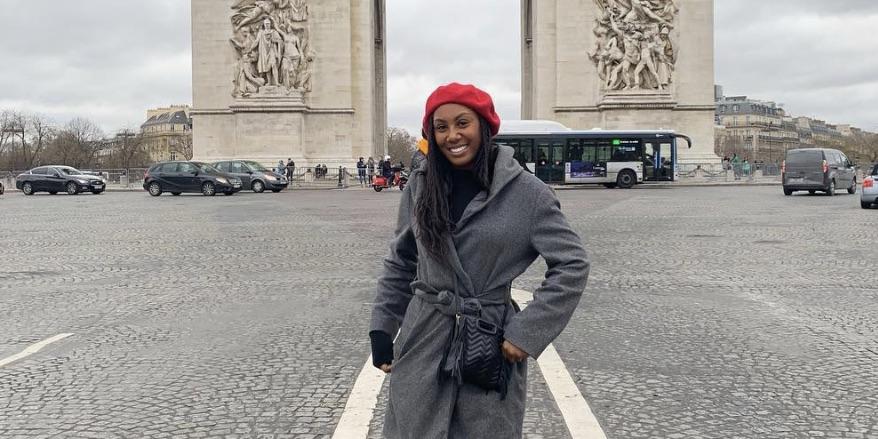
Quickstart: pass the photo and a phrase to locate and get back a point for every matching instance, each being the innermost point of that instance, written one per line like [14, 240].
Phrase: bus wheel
[626, 179]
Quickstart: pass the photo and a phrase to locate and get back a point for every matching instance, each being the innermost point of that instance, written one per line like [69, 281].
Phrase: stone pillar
[298, 79]
[618, 64]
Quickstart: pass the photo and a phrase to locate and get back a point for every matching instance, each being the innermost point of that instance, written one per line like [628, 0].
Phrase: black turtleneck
[464, 187]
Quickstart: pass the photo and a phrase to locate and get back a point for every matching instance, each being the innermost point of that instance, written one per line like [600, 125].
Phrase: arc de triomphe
[274, 79]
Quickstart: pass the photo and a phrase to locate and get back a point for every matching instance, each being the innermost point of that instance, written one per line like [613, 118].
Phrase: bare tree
[182, 145]
[129, 150]
[40, 132]
[78, 143]
[400, 144]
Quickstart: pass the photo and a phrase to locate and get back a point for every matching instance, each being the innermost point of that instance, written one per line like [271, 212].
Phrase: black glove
[382, 348]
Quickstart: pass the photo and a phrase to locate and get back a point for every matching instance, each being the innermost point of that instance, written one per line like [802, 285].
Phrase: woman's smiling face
[458, 133]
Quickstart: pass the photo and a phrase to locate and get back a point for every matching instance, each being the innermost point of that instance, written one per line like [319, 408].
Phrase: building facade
[167, 133]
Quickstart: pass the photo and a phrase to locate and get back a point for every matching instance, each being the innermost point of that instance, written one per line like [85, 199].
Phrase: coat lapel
[454, 259]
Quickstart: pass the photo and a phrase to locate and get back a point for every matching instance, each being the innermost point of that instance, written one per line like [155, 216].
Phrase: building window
[736, 108]
[173, 155]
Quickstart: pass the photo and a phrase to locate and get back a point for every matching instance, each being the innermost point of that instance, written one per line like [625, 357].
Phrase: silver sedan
[869, 194]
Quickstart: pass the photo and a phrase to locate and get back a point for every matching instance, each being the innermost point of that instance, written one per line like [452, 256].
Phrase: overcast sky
[110, 60]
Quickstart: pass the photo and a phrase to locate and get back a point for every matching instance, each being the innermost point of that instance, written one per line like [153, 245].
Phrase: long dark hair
[432, 210]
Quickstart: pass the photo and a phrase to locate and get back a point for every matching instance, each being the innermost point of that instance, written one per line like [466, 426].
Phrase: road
[711, 312]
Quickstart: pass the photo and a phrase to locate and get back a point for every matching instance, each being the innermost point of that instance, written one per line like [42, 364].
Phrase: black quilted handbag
[474, 354]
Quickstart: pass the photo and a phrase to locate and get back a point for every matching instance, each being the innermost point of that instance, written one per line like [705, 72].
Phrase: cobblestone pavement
[729, 312]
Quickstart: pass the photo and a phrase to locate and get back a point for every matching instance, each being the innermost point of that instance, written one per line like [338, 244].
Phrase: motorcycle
[400, 179]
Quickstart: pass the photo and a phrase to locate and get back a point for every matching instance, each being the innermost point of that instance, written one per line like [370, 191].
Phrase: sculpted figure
[299, 10]
[647, 63]
[291, 56]
[269, 46]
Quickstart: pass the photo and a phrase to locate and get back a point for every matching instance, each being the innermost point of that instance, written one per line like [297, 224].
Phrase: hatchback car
[817, 169]
[54, 179]
[179, 177]
[253, 175]
[869, 194]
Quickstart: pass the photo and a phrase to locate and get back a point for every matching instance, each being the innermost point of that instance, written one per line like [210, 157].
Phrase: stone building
[167, 133]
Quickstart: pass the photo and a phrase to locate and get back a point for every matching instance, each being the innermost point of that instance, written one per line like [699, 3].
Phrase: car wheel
[378, 188]
[787, 192]
[853, 189]
[865, 204]
[176, 194]
[155, 189]
[208, 189]
[626, 179]
[258, 187]
[72, 189]
[831, 190]
[812, 192]
[53, 192]
[27, 189]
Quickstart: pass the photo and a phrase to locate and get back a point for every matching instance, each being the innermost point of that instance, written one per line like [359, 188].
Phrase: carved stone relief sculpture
[633, 45]
[272, 46]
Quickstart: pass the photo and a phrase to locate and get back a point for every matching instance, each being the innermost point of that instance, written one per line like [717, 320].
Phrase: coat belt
[450, 304]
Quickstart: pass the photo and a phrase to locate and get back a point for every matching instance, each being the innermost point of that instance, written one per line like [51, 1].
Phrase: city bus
[559, 155]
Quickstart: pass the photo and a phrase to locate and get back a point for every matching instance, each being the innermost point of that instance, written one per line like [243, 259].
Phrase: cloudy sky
[110, 60]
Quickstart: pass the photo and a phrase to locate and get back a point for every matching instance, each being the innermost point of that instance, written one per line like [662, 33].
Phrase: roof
[175, 117]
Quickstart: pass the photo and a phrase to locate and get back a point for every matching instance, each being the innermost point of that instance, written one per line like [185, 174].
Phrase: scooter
[400, 179]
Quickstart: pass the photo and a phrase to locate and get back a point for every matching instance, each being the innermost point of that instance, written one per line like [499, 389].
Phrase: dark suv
[817, 169]
[179, 177]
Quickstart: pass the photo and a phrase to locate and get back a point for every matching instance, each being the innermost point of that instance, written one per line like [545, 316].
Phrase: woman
[470, 221]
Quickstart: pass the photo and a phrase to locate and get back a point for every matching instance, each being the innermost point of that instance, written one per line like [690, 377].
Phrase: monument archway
[278, 79]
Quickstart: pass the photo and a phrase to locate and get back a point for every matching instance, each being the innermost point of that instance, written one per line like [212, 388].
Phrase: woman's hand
[385, 367]
[512, 352]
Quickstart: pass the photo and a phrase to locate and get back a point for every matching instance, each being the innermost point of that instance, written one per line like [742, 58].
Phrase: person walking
[736, 166]
[370, 169]
[470, 222]
[291, 167]
[361, 172]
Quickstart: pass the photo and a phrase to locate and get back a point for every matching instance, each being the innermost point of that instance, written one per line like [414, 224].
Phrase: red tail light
[825, 167]
[868, 182]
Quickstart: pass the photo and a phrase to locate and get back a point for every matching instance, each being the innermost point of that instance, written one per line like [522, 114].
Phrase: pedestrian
[745, 167]
[387, 170]
[280, 167]
[736, 166]
[370, 168]
[470, 222]
[291, 167]
[361, 172]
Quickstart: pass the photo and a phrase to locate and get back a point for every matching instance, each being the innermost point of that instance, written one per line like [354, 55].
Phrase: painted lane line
[33, 349]
[357, 415]
[577, 414]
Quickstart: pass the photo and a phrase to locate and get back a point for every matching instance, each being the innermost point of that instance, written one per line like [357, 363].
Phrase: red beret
[466, 95]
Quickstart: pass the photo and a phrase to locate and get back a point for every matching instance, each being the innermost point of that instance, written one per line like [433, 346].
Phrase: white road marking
[577, 414]
[580, 420]
[357, 415]
[32, 349]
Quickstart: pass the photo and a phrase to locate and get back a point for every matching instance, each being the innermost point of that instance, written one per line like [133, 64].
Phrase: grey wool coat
[499, 235]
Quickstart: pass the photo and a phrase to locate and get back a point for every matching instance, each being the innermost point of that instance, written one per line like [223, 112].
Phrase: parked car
[869, 194]
[178, 177]
[1, 188]
[817, 169]
[54, 179]
[253, 175]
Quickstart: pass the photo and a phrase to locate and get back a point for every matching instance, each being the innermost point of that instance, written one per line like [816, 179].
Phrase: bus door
[550, 161]
[659, 161]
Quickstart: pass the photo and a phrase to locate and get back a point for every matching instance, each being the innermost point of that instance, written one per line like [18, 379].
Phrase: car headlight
[222, 180]
[270, 177]
[82, 181]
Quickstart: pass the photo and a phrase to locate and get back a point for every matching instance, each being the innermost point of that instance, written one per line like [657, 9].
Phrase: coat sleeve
[554, 302]
[400, 267]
